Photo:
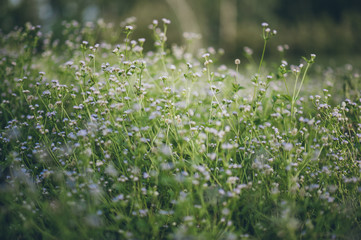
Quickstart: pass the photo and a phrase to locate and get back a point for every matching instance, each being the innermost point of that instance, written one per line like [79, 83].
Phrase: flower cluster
[102, 140]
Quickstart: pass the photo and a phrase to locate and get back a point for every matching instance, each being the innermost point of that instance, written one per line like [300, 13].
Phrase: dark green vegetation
[330, 28]
[101, 140]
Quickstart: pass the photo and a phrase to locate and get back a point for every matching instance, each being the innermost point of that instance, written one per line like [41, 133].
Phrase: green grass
[105, 141]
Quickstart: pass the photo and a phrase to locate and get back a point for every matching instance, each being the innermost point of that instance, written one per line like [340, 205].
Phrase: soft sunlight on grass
[101, 140]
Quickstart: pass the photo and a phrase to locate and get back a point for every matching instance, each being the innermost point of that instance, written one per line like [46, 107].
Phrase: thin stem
[235, 78]
[263, 52]
[162, 48]
[259, 69]
[284, 80]
[303, 78]
[295, 95]
[126, 46]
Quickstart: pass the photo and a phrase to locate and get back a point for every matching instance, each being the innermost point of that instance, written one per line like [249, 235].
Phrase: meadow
[100, 139]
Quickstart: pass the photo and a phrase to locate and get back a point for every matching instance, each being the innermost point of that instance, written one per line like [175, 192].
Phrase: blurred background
[329, 28]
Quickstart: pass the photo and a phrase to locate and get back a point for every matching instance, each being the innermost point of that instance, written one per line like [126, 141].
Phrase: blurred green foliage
[328, 28]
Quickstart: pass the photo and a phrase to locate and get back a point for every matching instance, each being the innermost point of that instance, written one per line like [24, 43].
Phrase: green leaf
[236, 87]
[286, 97]
[274, 98]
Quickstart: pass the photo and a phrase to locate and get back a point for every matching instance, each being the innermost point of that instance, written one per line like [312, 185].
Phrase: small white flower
[288, 147]
[129, 28]
[166, 21]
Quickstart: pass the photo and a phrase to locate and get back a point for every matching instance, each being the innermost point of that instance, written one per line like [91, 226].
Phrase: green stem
[295, 95]
[303, 78]
[263, 52]
[284, 79]
[163, 47]
[126, 46]
[259, 69]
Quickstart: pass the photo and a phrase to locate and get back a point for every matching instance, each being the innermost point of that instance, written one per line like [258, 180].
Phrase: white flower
[287, 146]
[99, 163]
